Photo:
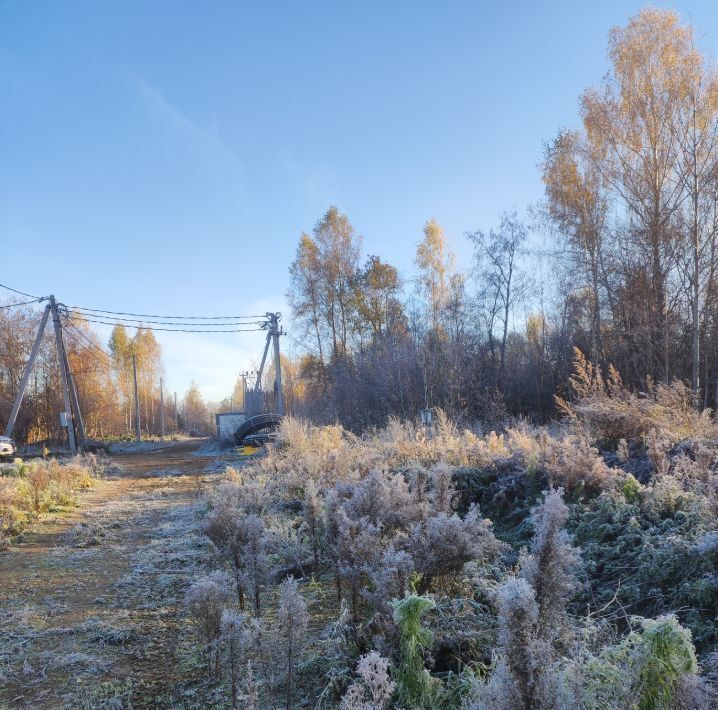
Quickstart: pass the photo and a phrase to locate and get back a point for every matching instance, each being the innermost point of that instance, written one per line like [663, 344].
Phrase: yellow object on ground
[249, 450]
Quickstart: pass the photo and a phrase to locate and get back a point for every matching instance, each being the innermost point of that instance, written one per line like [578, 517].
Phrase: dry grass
[611, 412]
[29, 489]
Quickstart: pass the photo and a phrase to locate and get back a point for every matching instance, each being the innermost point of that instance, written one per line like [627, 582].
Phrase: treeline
[104, 379]
[628, 276]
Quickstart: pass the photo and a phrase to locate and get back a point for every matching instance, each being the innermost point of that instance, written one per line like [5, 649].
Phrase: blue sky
[164, 156]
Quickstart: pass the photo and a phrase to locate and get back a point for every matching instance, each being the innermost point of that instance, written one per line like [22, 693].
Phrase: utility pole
[138, 431]
[275, 333]
[64, 375]
[162, 411]
[26, 375]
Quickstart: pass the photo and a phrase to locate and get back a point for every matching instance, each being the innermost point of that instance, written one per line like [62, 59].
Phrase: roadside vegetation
[31, 488]
[447, 568]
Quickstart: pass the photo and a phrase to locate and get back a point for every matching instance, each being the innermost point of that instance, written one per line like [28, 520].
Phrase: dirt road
[91, 603]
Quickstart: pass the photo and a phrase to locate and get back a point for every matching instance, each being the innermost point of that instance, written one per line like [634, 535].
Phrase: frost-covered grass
[562, 566]
[97, 624]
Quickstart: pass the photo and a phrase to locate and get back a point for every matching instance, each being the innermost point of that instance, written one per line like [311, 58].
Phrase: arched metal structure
[259, 422]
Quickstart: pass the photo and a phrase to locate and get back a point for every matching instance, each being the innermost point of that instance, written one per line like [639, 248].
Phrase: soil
[91, 611]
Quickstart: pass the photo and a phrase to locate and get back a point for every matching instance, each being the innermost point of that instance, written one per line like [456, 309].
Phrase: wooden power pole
[138, 430]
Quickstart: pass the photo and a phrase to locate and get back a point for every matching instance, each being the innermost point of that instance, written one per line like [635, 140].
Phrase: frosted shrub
[374, 687]
[206, 600]
[518, 644]
[313, 520]
[550, 568]
[382, 498]
[254, 558]
[239, 538]
[391, 581]
[292, 617]
[443, 495]
[225, 527]
[358, 551]
[441, 545]
[235, 639]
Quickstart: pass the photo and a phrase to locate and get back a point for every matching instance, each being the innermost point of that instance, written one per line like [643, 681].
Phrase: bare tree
[502, 280]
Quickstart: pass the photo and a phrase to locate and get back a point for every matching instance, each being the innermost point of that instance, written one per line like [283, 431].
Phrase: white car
[7, 447]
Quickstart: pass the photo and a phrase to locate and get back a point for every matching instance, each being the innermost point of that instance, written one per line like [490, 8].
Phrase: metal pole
[63, 374]
[138, 431]
[162, 411]
[277, 364]
[26, 375]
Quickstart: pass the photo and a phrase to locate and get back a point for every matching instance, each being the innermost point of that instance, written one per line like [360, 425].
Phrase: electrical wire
[24, 303]
[22, 293]
[158, 322]
[107, 314]
[173, 330]
[76, 330]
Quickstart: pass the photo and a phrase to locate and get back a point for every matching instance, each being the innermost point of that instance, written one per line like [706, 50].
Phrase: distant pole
[162, 411]
[64, 375]
[26, 375]
[274, 318]
[138, 431]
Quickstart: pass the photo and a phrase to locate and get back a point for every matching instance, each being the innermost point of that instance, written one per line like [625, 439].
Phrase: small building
[227, 423]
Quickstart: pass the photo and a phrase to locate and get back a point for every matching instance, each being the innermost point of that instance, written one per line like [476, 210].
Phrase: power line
[75, 311]
[106, 314]
[88, 341]
[24, 303]
[173, 330]
[22, 293]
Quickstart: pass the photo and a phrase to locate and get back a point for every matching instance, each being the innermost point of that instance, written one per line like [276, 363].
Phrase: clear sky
[164, 156]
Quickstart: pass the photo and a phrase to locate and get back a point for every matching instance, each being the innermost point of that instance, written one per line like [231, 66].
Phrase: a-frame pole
[64, 374]
[26, 375]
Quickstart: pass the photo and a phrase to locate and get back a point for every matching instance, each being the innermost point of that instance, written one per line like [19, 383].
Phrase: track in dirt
[91, 603]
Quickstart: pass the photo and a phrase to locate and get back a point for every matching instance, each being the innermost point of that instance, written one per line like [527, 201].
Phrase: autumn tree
[436, 264]
[378, 304]
[194, 410]
[577, 204]
[305, 294]
[632, 125]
